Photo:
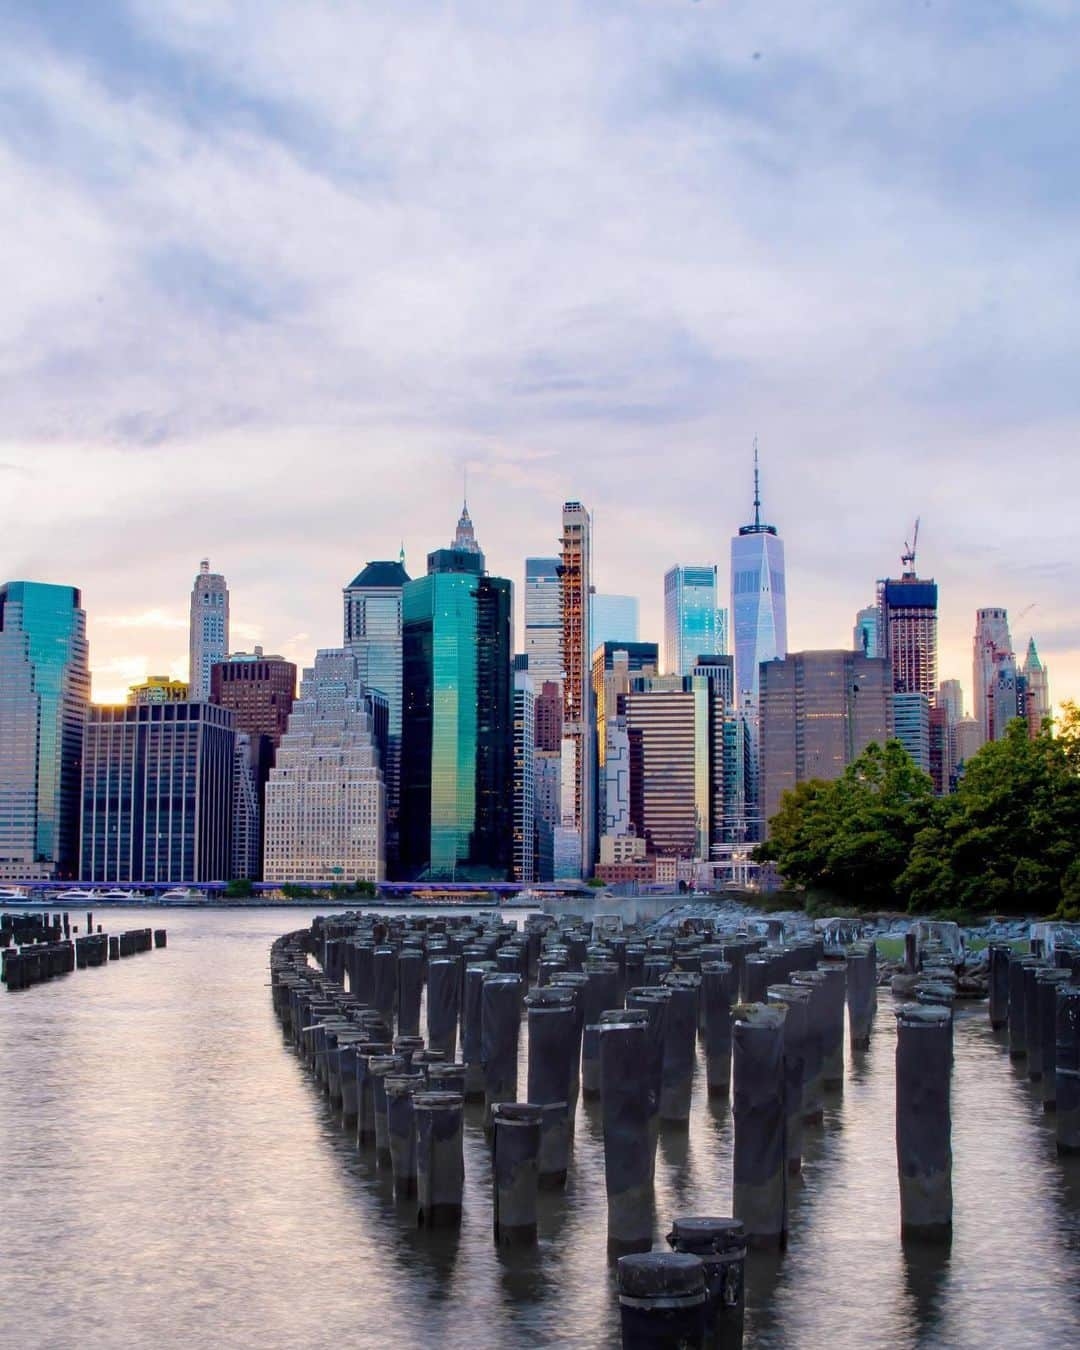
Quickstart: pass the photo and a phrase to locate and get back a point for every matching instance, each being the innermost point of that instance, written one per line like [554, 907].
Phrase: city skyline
[316, 285]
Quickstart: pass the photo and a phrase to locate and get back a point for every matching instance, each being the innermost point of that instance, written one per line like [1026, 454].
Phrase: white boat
[13, 895]
[121, 897]
[182, 895]
[79, 893]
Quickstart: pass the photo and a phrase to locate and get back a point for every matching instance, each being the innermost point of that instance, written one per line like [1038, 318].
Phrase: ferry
[13, 895]
[80, 894]
[121, 897]
[182, 895]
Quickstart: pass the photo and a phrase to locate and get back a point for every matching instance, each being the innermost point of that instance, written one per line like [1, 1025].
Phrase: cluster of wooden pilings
[612, 1015]
[38, 947]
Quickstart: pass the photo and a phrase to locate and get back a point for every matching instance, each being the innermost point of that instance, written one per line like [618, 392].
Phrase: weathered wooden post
[924, 1121]
[759, 1162]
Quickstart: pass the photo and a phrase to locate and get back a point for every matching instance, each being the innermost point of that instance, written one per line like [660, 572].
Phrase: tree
[240, 888]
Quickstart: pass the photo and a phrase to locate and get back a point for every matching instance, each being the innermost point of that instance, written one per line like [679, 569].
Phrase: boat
[121, 897]
[182, 895]
[79, 893]
[13, 895]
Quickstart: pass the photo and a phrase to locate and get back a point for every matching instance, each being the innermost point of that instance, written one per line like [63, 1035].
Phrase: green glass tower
[457, 726]
[44, 695]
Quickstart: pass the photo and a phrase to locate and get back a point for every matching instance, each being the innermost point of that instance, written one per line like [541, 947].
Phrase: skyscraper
[692, 626]
[209, 633]
[994, 673]
[326, 799]
[579, 744]
[44, 695]
[907, 628]
[158, 794]
[457, 736]
[759, 615]
[1037, 706]
[524, 786]
[543, 621]
[614, 664]
[372, 632]
[865, 637]
[819, 711]
[612, 618]
[912, 727]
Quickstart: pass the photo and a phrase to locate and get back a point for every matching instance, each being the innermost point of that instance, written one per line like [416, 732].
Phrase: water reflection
[165, 1150]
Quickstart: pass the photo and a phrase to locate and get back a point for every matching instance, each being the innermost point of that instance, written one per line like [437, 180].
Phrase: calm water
[172, 1178]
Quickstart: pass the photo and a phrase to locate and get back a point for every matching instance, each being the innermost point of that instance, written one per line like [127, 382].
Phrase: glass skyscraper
[457, 738]
[543, 621]
[612, 618]
[44, 695]
[693, 625]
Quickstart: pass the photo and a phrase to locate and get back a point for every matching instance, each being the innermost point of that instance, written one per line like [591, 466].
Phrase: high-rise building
[865, 638]
[543, 621]
[736, 824]
[996, 696]
[259, 689]
[159, 689]
[579, 743]
[612, 618]
[326, 798]
[951, 698]
[614, 664]
[969, 742]
[549, 716]
[759, 615]
[44, 695]
[908, 629]
[158, 794]
[912, 727]
[547, 776]
[457, 741]
[524, 787]
[675, 731]
[819, 711]
[1037, 706]
[950, 703]
[693, 625]
[209, 633]
[372, 632]
[247, 809]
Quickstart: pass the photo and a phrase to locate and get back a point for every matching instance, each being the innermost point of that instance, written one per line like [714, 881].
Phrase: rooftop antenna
[757, 489]
[465, 484]
[907, 558]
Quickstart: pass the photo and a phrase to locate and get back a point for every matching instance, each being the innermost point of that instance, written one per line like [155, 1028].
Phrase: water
[172, 1178]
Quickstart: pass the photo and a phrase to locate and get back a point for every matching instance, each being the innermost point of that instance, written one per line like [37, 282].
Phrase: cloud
[278, 271]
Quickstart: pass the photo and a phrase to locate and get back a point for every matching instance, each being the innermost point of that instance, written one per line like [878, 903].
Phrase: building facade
[524, 785]
[692, 620]
[44, 697]
[1037, 705]
[996, 696]
[457, 743]
[579, 732]
[208, 639]
[543, 621]
[158, 794]
[326, 796]
[612, 618]
[819, 711]
[865, 637]
[912, 728]
[908, 633]
[159, 689]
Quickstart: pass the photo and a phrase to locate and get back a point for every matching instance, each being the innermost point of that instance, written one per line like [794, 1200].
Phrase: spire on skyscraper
[465, 536]
[757, 527]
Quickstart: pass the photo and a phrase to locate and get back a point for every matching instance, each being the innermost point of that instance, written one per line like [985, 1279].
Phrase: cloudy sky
[275, 273]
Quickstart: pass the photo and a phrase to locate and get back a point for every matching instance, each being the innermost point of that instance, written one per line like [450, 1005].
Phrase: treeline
[1006, 842]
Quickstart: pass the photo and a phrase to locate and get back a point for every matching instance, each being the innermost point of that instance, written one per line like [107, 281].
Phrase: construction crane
[907, 558]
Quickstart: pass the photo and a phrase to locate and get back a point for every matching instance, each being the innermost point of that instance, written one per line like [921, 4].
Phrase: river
[172, 1178]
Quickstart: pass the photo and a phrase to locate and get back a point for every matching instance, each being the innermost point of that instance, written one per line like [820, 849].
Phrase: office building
[614, 664]
[44, 695]
[951, 699]
[912, 727]
[209, 629]
[969, 742]
[693, 625]
[579, 733]
[612, 618]
[675, 731]
[158, 794]
[738, 770]
[524, 785]
[326, 797]
[908, 629]
[865, 638]
[543, 621]
[457, 741]
[547, 778]
[1037, 706]
[549, 716]
[159, 689]
[247, 808]
[819, 711]
[372, 632]
[259, 690]
[997, 696]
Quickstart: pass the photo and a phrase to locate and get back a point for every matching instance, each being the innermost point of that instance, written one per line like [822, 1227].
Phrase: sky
[276, 275]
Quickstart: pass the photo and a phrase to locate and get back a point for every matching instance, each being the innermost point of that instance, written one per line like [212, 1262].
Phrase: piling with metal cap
[440, 1159]
[628, 1153]
[680, 1047]
[471, 1039]
[443, 1003]
[1067, 1068]
[833, 1046]
[759, 1162]
[500, 1024]
[720, 1246]
[814, 1057]
[515, 1166]
[399, 1090]
[653, 1000]
[379, 1067]
[1017, 1014]
[1000, 953]
[796, 998]
[550, 1012]
[410, 987]
[719, 981]
[661, 1300]
[924, 1121]
[384, 981]
[1031, 1019]
[861, 992]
